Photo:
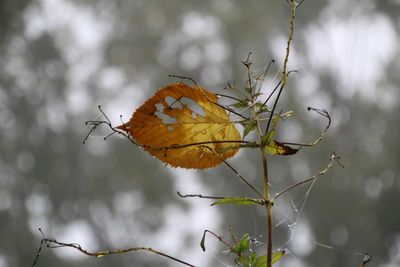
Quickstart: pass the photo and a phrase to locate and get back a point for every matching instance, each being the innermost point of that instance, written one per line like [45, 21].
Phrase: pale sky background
[355, 50]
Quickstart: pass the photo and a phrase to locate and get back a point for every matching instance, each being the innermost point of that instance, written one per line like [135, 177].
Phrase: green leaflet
[261, 261]
[268, 137]
[250, 126]
[242, 245]
[238, 201]
[277, 255]
[262, 107]
[241, 104]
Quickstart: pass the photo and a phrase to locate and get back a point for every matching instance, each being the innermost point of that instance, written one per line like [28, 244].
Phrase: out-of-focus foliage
[60, 59]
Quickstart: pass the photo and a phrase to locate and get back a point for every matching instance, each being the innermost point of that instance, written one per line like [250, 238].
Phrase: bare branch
[52, 243]
[198, 196]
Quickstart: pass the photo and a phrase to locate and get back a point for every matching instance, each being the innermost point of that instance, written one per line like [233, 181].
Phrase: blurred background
[60, 59]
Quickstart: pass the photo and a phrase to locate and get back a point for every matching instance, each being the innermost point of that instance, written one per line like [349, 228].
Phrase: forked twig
[96, 123]
[52, 243]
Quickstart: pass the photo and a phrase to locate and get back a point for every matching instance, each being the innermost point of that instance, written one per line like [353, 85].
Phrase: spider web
[291, 211]
[299, 230]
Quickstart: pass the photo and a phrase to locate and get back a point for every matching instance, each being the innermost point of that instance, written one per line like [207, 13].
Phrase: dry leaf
[183, 127]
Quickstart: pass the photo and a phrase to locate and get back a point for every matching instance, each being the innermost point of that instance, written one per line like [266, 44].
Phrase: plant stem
[286, 60]
[268, 203]
[268, 208]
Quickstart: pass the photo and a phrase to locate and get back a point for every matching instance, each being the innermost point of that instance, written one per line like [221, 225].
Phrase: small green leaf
[203, 240]
[266, 139]
[244, 261]
[242, 245]
[274, 147]
[241, 104]
[250, 126]
[260, 261]
[262, 107]
[238, 201]
[277, 255]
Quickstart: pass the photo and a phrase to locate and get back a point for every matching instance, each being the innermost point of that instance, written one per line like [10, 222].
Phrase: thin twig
[219, 237]
[176, 146]
[230, 97]
[237, 174]
[321, 112]
[52, 243]
[96, 123]
[252, 200]
[272, 61]
[273, 92]
[184, 78]
[215, 103]
[247, 64]
[198, 196]
[315, 176]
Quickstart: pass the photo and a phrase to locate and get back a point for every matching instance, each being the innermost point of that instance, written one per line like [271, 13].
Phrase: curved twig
[315, 176]
[324, 113]
[219, 237]
[52, 243]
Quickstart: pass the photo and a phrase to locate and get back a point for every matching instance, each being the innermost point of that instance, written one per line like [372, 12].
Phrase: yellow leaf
[183, 127]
